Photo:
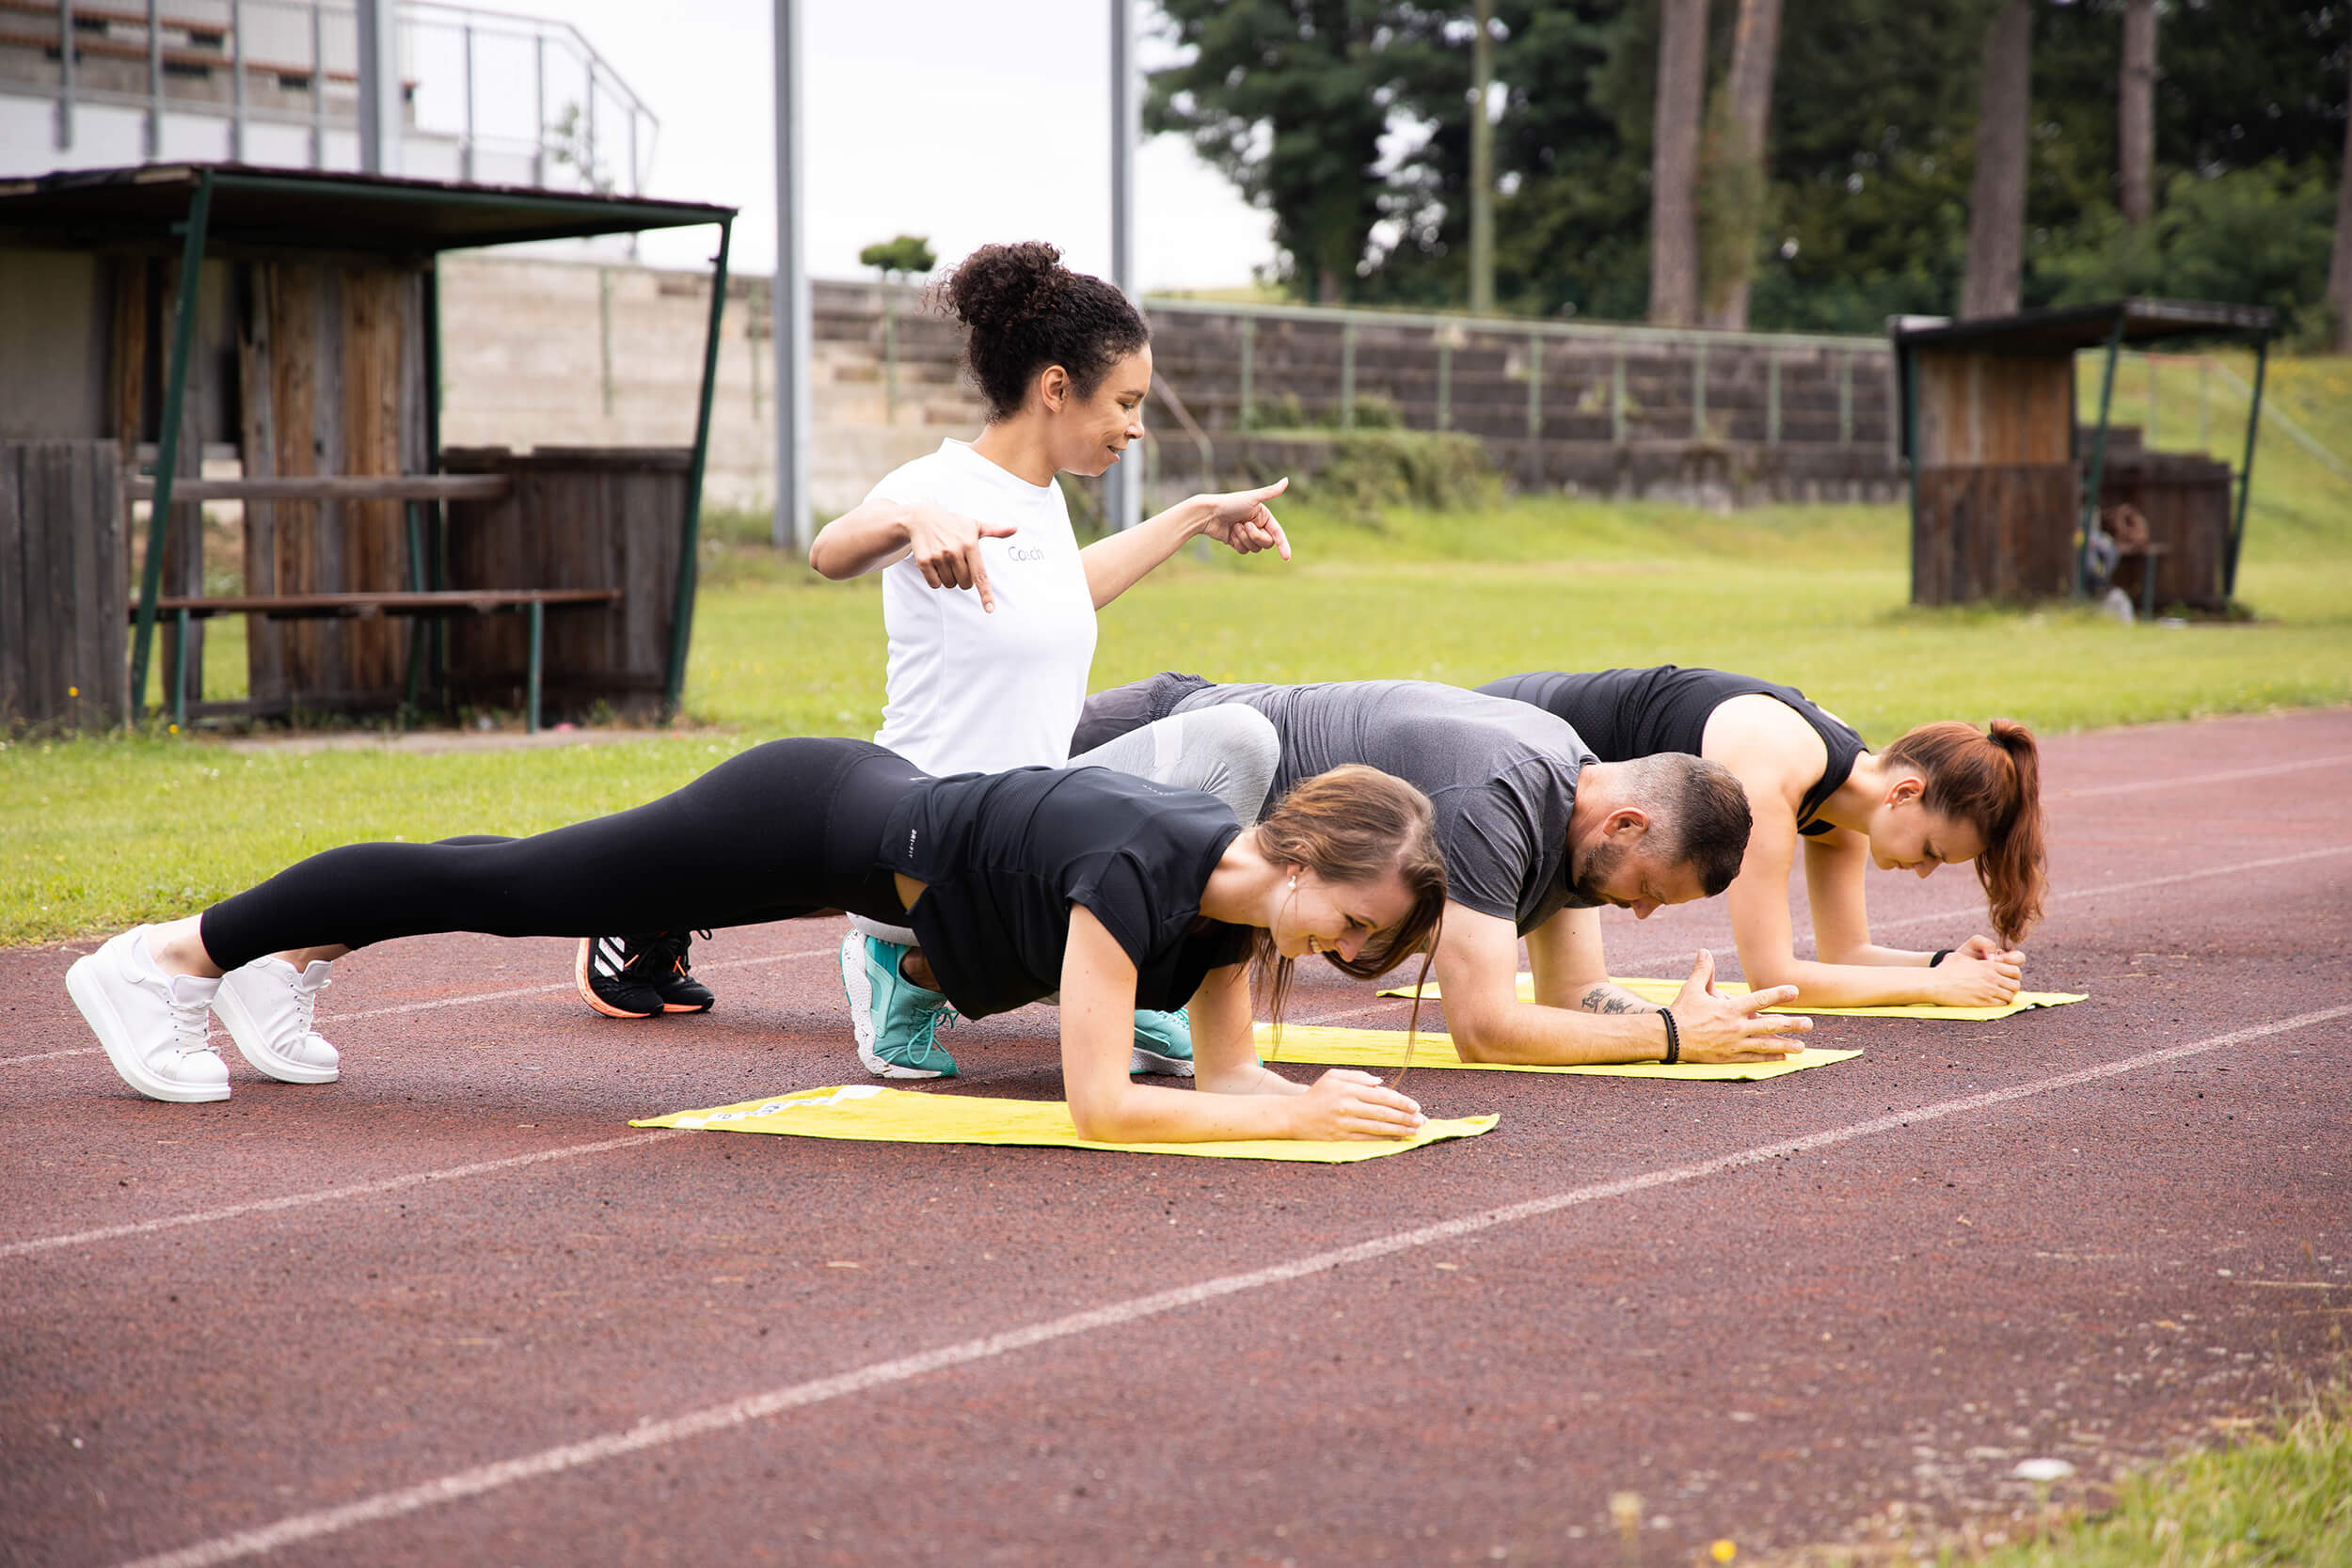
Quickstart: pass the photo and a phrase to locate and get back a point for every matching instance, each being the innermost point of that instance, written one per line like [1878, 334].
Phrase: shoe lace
[191, 1028]
[666, 952]
[307, 1003]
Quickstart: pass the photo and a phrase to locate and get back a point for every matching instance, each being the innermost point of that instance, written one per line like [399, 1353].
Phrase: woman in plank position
[1941, 795]
[989, 604]
[1120, 892]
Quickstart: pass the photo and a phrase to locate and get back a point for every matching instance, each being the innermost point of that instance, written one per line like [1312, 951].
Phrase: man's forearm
[1530, 1034]
[1608, 998]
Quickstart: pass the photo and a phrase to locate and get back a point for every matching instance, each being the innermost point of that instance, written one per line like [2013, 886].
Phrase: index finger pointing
[979, 580]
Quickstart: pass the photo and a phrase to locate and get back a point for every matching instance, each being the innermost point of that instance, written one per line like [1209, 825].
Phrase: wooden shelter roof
[300, 209]
[2064, 329]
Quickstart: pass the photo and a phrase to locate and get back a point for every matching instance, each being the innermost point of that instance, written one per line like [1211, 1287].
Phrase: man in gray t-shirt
[1536, 835]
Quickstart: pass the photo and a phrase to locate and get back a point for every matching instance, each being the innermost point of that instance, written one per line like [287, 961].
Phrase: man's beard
[1585, 878]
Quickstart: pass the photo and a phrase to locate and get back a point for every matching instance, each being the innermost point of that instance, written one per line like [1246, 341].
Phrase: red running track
[454, 1310]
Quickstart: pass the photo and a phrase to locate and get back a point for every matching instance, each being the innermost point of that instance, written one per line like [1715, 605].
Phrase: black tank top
[1005, 855]
[1623, 714]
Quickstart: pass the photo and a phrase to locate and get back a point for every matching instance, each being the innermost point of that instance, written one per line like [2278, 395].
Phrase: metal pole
[1248, 414]
[236, 64]
[318, 90]
[2246, 469]
[636, 181]
[1698, 392]
[379, 87]
[167, 439]
[1844, 401]
[790, 296]
[2204, 404]
[682, 610]
[154, 138]
[1771, 397]
[2098, 461]
[1445, 385]
[65, 74]
[2149, 437]
[1124, 499]
[1907, 368]
[590, 119]
[1348, 373]
[465, 148]
[1534, 385]
[1617, 400]
[539, 98]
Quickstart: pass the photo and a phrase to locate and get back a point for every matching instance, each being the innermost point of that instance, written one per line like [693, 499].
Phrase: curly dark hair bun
[1026, 312]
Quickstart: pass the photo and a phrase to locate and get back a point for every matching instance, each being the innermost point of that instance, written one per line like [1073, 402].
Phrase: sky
[965, 120]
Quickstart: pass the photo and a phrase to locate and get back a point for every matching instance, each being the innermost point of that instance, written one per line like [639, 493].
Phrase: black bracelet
[1673, 1039]
[1941, 954]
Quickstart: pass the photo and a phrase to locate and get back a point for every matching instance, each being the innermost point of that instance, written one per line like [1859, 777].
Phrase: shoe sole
[588, 992]
[689, 1007]
[97, 1011]
[255, 1049]
[1151, 1061]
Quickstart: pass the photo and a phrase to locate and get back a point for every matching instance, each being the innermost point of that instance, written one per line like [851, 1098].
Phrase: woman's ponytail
[1992, 782]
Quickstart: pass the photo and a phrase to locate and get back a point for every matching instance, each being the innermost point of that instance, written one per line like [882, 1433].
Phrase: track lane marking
[2272, 771]
[461, 1001]
[358, 1189]
[482, 1479]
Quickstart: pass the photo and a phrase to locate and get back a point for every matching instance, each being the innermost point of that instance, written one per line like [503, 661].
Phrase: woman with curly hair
[1944, 793]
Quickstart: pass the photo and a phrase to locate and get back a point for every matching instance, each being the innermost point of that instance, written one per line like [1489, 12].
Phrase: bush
[1366, 471]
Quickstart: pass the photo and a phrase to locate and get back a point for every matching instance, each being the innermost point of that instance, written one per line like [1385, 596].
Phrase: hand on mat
[1980, 973]
[1718, 1028]
[1242, 521]
[946, 545]
[1345, 1103]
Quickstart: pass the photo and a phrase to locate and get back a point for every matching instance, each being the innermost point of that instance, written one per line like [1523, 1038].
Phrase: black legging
[785, 829]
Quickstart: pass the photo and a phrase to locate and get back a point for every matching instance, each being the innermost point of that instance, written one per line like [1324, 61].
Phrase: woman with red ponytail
[1944, 793]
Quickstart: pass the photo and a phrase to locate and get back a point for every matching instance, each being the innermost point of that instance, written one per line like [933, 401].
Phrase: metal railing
[488, 95]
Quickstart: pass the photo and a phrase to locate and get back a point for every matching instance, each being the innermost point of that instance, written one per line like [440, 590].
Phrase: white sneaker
[154, 1026]
[268, 1009]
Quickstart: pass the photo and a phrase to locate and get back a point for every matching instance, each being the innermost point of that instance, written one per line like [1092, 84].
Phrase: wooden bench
[534, 602]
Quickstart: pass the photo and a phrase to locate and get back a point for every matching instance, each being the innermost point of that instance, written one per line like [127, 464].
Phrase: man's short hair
[1700, 810]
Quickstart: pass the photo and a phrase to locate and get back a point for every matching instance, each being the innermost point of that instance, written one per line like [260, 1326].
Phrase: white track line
[482, 1479]
[462, 1001]
[2195, 779]
[359, 1189]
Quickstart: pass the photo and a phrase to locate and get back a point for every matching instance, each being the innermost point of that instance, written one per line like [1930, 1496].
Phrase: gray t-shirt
[1502, 775]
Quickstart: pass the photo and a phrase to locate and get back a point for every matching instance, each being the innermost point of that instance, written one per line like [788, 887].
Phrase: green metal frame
[689, 547]
[2245, 470]
[168, 444]
[2097, 476]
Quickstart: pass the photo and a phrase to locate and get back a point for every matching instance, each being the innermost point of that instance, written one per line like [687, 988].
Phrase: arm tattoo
[1608, 999]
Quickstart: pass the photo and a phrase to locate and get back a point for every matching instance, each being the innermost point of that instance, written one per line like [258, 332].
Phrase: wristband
[1674, 1038]
[1941, 954]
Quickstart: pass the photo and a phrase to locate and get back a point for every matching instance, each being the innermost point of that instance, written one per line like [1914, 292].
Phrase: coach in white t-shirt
[987, 597]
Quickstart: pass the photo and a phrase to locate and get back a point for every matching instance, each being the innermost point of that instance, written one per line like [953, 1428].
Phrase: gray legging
[1228, 752]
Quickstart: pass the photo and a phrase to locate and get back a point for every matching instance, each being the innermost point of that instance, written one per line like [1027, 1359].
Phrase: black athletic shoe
[672, 975]
[640, 975]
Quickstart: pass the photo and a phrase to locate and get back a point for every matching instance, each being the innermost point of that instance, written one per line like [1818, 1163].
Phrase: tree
[1997, 194]
[1673, 232]
[1288, 98]
[2136, 117]
[906, 255]
[1732, 183]
[2340, 265]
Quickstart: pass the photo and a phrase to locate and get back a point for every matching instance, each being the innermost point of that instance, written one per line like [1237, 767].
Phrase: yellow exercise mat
[1664, 991]
[868, 1113]
[1381, 1048]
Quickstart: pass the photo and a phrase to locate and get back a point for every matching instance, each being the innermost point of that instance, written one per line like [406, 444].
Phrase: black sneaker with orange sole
[640, 975]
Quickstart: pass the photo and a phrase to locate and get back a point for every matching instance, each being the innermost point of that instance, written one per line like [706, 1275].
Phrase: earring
[1293, 881]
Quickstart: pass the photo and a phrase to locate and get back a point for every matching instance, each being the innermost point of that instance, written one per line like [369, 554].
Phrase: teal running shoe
[1163, 1044]
[898, 1022]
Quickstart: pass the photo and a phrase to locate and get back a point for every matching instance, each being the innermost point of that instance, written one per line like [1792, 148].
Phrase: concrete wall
[548, 351]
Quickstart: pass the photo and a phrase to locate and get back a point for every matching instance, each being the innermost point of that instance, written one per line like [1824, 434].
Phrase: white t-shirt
[970, 691]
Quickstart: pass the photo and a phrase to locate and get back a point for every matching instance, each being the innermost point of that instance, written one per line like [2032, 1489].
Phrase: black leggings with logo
[784, 830]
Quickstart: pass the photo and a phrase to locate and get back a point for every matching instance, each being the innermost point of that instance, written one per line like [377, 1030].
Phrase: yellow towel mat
[869, 1113]
[1663, 990]
[1385, 1048]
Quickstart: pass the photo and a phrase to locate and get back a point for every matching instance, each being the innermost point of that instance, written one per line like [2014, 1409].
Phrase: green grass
[99, 833]
[2284, 1496]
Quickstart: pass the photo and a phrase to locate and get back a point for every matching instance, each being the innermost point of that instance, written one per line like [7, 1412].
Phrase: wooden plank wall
[331, 369]
[1986, 409]
[2186, 498]
[1994, 532]
[64, 575]
[576, 517]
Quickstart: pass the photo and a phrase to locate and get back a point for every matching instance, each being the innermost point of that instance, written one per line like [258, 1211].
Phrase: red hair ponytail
[1993, 783]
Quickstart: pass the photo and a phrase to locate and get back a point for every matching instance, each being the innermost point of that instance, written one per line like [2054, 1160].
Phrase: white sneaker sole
[1151, 1061]
[255, 1048]
[98, 1011]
